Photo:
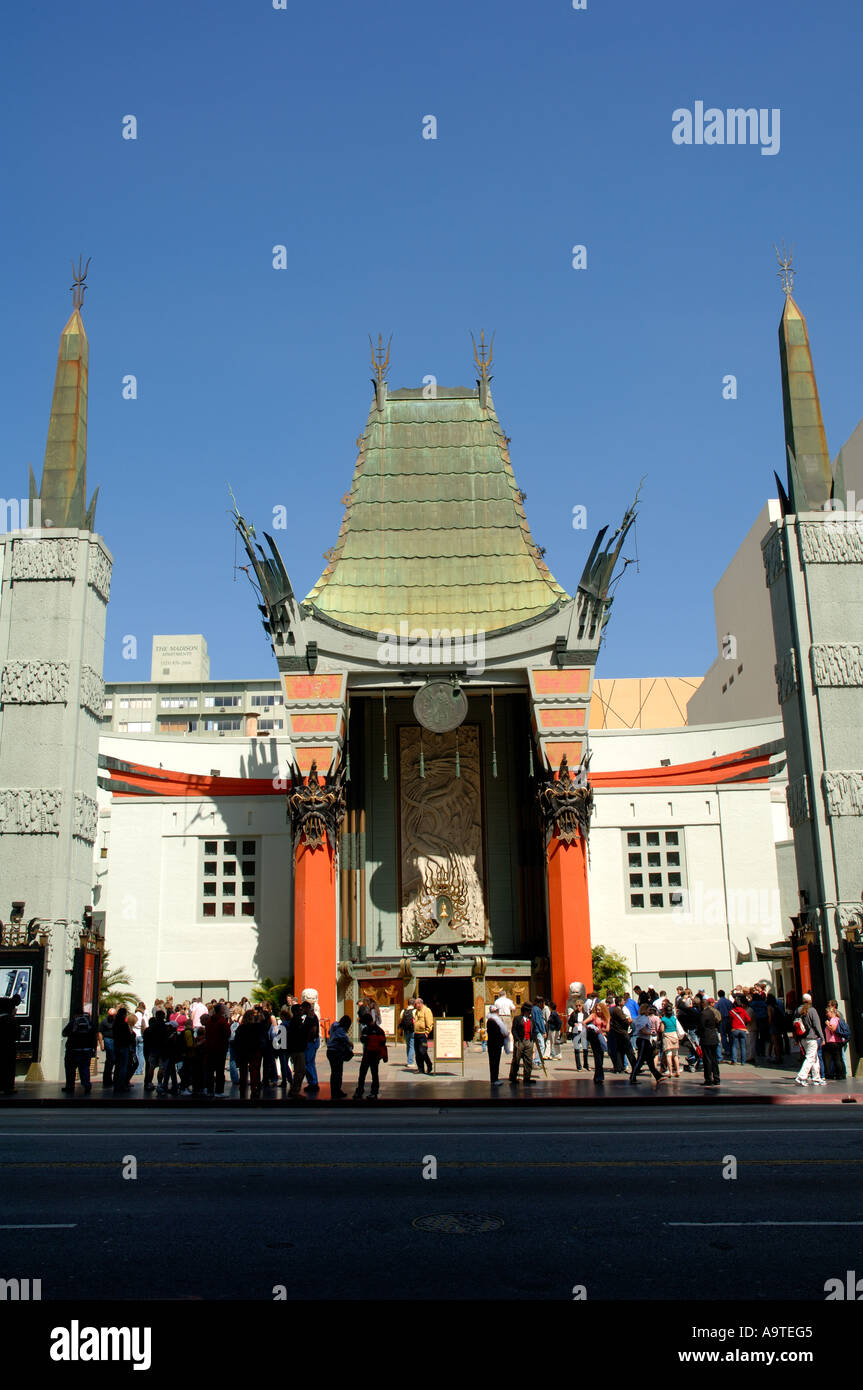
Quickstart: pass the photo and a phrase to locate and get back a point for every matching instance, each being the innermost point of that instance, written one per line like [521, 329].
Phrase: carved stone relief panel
[44, 559]
[85, 816]
[797, 796]
[99, 572]
[837, 663]
[34, 682]
[843, 793]
[92, 691]
[440, 820]
[785, 671]
[831, 542]
[774, 558]
[30, 810]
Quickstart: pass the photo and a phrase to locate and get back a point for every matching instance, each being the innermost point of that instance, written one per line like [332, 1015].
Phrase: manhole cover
[461, 1224]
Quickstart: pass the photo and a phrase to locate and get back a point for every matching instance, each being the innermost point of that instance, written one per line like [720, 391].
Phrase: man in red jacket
[217, 1035]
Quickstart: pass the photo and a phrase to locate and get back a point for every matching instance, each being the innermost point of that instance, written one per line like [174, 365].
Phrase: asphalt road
[229, 1206]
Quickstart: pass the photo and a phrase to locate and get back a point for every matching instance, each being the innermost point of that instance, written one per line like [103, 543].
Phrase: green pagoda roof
[434, 531]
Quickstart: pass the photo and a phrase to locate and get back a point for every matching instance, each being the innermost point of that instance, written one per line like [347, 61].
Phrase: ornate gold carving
[441, 833]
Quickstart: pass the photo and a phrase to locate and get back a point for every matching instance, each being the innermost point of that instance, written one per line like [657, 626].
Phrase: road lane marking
[46, 1226]
[762, 1223]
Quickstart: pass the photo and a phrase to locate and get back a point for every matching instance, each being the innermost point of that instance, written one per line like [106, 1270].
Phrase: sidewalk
[764, 1084]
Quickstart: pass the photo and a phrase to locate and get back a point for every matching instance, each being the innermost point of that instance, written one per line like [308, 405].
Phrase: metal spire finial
[785, 272]
[482, 355]
[78, 287]
[380, 358]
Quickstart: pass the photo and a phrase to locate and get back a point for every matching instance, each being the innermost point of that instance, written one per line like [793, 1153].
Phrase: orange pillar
[315, 923]
[568, 917]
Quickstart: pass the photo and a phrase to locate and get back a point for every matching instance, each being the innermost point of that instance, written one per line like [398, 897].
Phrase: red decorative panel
[323, 687]
[575, 681]
[562, 718]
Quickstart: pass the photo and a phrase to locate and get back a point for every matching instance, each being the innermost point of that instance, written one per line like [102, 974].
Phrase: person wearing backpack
[836, 1035]
[554, 1023]
[80, 1034]
[406, 1027]
[374, 1041]
[339, 1051]
[808, 1030]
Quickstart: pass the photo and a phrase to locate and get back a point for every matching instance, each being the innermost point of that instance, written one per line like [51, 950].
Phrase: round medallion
[440, 706]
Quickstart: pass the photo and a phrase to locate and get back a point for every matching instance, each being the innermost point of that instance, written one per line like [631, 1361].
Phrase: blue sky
[304, 127]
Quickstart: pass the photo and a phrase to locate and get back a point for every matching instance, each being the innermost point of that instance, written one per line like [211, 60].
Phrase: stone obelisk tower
[813, 559]
[56, 577]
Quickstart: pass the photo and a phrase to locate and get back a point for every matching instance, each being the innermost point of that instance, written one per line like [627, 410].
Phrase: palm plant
[112, 992]
[268, 992]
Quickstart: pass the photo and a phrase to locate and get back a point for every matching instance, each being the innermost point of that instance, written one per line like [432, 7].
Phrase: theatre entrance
[450, 998]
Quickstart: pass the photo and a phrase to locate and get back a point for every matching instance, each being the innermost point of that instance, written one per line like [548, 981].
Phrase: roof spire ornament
[380, 366]
[78, 288]
[785, 272]
[482, 356]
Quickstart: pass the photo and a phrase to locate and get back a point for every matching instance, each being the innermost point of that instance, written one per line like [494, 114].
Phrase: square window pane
[654, 880]
[674, 880]
[229, 868]
[656, 900]
[248, 868]
[249, 889]
[248, 909]
[229, 847]
[636, 880]
[211, 847]
[209, 866]
[672, 837]
[636, 900]
[654, 861]
[653, 837]
[209, 890]
[633, 838]
[229, 890]
[209, 909]
[672, 857]
[228, 910]
[635, 861]
[248, 847]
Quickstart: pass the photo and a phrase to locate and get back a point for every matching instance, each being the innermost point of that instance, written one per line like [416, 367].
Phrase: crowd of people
[187, 1048]
[647, 1029]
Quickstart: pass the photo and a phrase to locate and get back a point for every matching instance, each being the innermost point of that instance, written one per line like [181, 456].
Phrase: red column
[315, 923]
[568, 917]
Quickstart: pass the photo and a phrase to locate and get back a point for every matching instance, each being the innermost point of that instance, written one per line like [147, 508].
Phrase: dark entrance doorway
[448, 997]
